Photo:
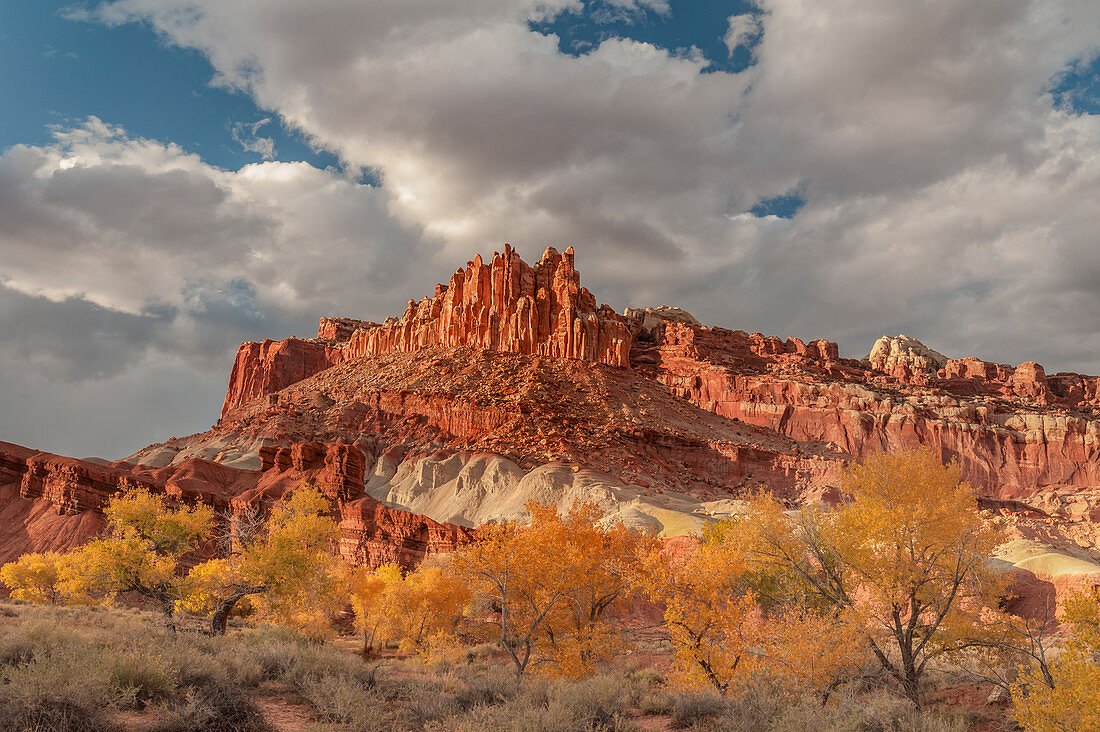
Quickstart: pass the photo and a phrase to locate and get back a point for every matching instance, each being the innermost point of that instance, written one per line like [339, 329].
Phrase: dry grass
[91, 669]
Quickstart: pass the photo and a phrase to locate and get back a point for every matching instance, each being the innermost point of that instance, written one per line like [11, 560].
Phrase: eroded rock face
[266, 367]
[1013, 434]
[504, 305]
[647, 319]
[49, 502]
[905, 358]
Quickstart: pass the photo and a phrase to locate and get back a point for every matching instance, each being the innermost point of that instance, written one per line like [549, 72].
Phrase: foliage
[290, 567]
[906, 558]
[1073, 700]
[549, 589]
[707, 609]
[723, 634]
[142, 552]
[420, 610]
[33, 577]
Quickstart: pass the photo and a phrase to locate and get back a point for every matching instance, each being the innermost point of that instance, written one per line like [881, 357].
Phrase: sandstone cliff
[505, 305]
[49, 502]
[509, 384]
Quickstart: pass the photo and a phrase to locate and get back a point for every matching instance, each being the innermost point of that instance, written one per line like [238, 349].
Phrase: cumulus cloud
[946, 194]
[901, 124]
[743, 30]
[119, 252]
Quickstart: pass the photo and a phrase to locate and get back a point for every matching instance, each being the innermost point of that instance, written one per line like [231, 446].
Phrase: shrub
[597, 703]
[211, 708]
[139, 679]
[60, 691]
[345, 702]
[692, 709]
[15, 650]
[656, 704]
[486, 690]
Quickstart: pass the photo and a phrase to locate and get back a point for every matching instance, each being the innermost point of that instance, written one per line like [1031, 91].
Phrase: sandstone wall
[993, 419]
[505, 305]
[54, 502]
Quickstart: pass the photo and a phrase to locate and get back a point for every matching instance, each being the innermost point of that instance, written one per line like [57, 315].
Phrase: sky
[179, 176]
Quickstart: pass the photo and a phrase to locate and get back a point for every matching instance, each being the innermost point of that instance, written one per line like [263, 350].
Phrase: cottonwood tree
[724, 631]
[142, 552]
[1065, 695]
[907, 554]
[549, 588]
[707, 605]
[34, 577]
[289, 568]
[420, 609]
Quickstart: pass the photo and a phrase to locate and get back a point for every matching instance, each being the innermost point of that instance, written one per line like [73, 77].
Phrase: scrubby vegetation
[878, 614]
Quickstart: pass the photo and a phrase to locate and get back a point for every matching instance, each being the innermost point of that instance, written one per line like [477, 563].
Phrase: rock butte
[509, 383]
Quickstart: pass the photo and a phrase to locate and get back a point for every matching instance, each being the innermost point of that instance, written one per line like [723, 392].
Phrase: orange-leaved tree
[727, 622]
[907, 554]
[549, 589]
[420, 609]
[708, 606]
[1068, 697]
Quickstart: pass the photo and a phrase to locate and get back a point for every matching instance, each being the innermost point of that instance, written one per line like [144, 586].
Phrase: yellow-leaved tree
[549, 590]
[290, 567]
[34, 577]
[147, 538]
[907, 555]
[1068, 698]
[420, 610]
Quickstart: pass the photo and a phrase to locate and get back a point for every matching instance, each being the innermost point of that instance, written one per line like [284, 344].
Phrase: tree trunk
[220, 618]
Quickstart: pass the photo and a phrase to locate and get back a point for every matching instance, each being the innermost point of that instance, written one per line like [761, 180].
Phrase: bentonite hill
[510, 383]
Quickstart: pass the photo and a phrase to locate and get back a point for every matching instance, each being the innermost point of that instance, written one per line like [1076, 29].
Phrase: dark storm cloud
[73, 339]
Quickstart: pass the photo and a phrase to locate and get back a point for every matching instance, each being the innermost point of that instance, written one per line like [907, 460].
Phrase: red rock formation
[53, 502]
[339, 330]
[517, 361]
[993, 419]
[505, 305]
[266, 367]
[371, 533]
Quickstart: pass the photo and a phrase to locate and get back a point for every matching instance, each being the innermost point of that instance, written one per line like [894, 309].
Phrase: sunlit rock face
[503, 305]
[509, 384]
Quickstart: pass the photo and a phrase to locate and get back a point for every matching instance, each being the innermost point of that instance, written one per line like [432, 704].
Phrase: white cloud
[945, 195]
[248, 136]
[119, 255]
[743, 29]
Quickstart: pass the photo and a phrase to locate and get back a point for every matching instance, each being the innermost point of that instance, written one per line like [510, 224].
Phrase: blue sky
[840, 169]
[69, 69]
[63, 70]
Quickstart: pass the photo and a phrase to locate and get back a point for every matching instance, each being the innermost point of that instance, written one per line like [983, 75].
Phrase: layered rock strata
[53, 502]
[505, 305]
[1013, 434]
